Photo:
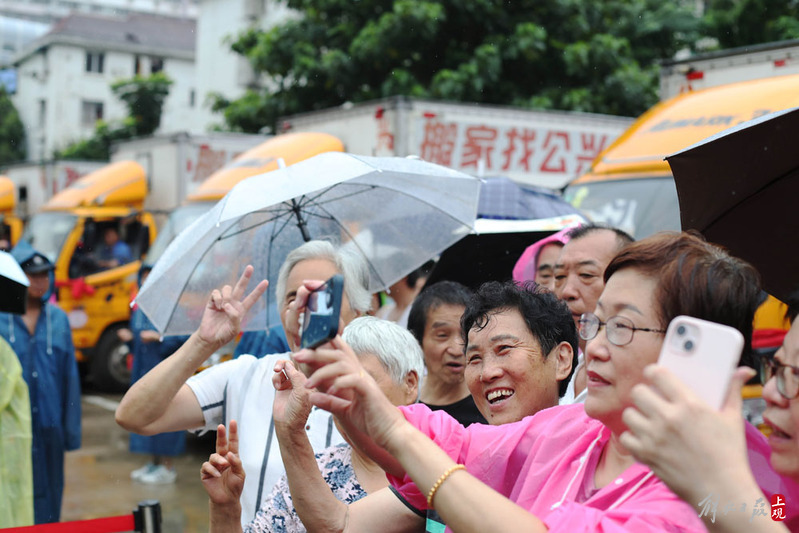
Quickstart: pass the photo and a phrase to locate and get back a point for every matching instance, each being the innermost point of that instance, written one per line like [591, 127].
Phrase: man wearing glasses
[579, 281]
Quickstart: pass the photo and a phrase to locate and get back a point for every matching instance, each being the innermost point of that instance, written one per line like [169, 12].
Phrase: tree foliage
[144, 97]
[12, 131]
[552, 54]
[745, 22]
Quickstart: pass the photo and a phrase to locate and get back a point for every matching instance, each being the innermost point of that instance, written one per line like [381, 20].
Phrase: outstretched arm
[161, 401]
[223, 479]
[315, 504]
[464, 502]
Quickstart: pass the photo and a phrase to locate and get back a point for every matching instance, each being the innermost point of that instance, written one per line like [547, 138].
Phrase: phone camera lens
[689, 345]
[681, 330]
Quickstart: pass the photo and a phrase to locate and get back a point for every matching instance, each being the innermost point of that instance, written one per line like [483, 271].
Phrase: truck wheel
[109, 363]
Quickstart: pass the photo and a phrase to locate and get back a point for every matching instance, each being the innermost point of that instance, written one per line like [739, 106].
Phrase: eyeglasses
[618, 329]
[787, 376]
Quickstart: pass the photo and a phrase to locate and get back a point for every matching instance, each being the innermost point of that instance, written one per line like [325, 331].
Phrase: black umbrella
[13, 285]
[739, 188]
[511, 217]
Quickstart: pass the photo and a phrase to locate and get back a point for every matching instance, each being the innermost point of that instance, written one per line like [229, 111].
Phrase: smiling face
[612, 371]
[507, 375]
[783, 415]
[442, 344]
[579, 270]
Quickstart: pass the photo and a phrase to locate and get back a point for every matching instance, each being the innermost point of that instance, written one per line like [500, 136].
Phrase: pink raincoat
[525, 267]
[539, 463]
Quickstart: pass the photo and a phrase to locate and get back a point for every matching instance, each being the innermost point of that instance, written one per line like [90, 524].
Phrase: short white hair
[394, 346]
[351, 265]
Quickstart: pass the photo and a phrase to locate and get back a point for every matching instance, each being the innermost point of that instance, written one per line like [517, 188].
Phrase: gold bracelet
[441, 480]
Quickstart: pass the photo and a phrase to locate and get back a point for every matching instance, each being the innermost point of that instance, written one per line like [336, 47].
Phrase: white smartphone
[703, 355]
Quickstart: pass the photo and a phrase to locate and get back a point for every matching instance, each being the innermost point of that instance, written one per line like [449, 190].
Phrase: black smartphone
[320, 323]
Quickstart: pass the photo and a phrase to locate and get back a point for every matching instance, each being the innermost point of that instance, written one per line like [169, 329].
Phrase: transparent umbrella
[397, 213]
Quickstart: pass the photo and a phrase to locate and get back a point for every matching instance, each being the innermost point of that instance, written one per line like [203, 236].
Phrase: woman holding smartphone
[566, 468]
[700, 452]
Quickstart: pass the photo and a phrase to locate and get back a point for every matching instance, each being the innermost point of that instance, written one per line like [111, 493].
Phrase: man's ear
[564, 356]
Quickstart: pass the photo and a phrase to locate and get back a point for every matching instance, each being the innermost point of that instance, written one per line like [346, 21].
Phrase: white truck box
[546, 148]
[176, 164]
[746, 63]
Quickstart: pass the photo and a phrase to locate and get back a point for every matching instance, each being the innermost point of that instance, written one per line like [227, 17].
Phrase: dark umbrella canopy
[739, 189]
[491, 252]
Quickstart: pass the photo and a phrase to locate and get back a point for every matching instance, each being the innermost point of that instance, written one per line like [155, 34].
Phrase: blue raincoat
[51, 372]
[146, 355]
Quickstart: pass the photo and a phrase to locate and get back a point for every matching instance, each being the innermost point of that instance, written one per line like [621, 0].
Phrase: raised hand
[675, 433]
[293, 312]
[226, 308]
[223, 474]
[347, 390]
[292, 400]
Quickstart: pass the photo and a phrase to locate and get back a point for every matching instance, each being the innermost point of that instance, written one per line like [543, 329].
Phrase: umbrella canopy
[397, 213]
[739, 188]
[491, 252]
[501, 198]
[13, 285]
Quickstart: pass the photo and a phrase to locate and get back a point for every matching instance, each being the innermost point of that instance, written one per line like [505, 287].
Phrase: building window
[136, 65]
[191, 98]
[156, 64]
[91, 112]
[94, 62]
[42, 113]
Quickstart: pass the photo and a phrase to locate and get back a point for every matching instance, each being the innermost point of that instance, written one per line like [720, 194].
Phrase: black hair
[622, 237]
[441, 293]
[547, 318]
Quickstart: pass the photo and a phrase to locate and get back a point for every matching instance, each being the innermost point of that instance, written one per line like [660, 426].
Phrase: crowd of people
[530, 404]
[540, 405]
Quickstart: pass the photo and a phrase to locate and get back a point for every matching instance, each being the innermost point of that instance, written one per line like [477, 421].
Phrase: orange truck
[10, 224]
[630, 185]
[71, 229]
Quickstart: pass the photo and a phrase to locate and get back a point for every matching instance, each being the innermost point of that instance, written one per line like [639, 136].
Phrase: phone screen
[320, 321]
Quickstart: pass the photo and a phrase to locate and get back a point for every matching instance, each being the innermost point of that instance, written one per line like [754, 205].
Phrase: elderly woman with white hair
[338, 475]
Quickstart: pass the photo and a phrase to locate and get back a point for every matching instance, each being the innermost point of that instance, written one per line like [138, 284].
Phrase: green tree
[144, 97]
[12, 131]
[744, 22]
[552, 54]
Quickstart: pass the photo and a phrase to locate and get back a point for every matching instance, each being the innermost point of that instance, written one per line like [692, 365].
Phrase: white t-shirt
[242, 390]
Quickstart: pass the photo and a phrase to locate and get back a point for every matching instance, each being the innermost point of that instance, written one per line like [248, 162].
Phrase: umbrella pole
[295, 207]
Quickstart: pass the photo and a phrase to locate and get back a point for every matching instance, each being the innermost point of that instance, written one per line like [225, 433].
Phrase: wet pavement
[98, 480]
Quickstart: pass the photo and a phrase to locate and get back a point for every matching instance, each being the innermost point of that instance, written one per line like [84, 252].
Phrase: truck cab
[10, 224]
[96, 233]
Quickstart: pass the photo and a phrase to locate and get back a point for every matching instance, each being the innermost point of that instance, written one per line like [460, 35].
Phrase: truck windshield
[178, 220]
[47, 232]
[639, 206]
